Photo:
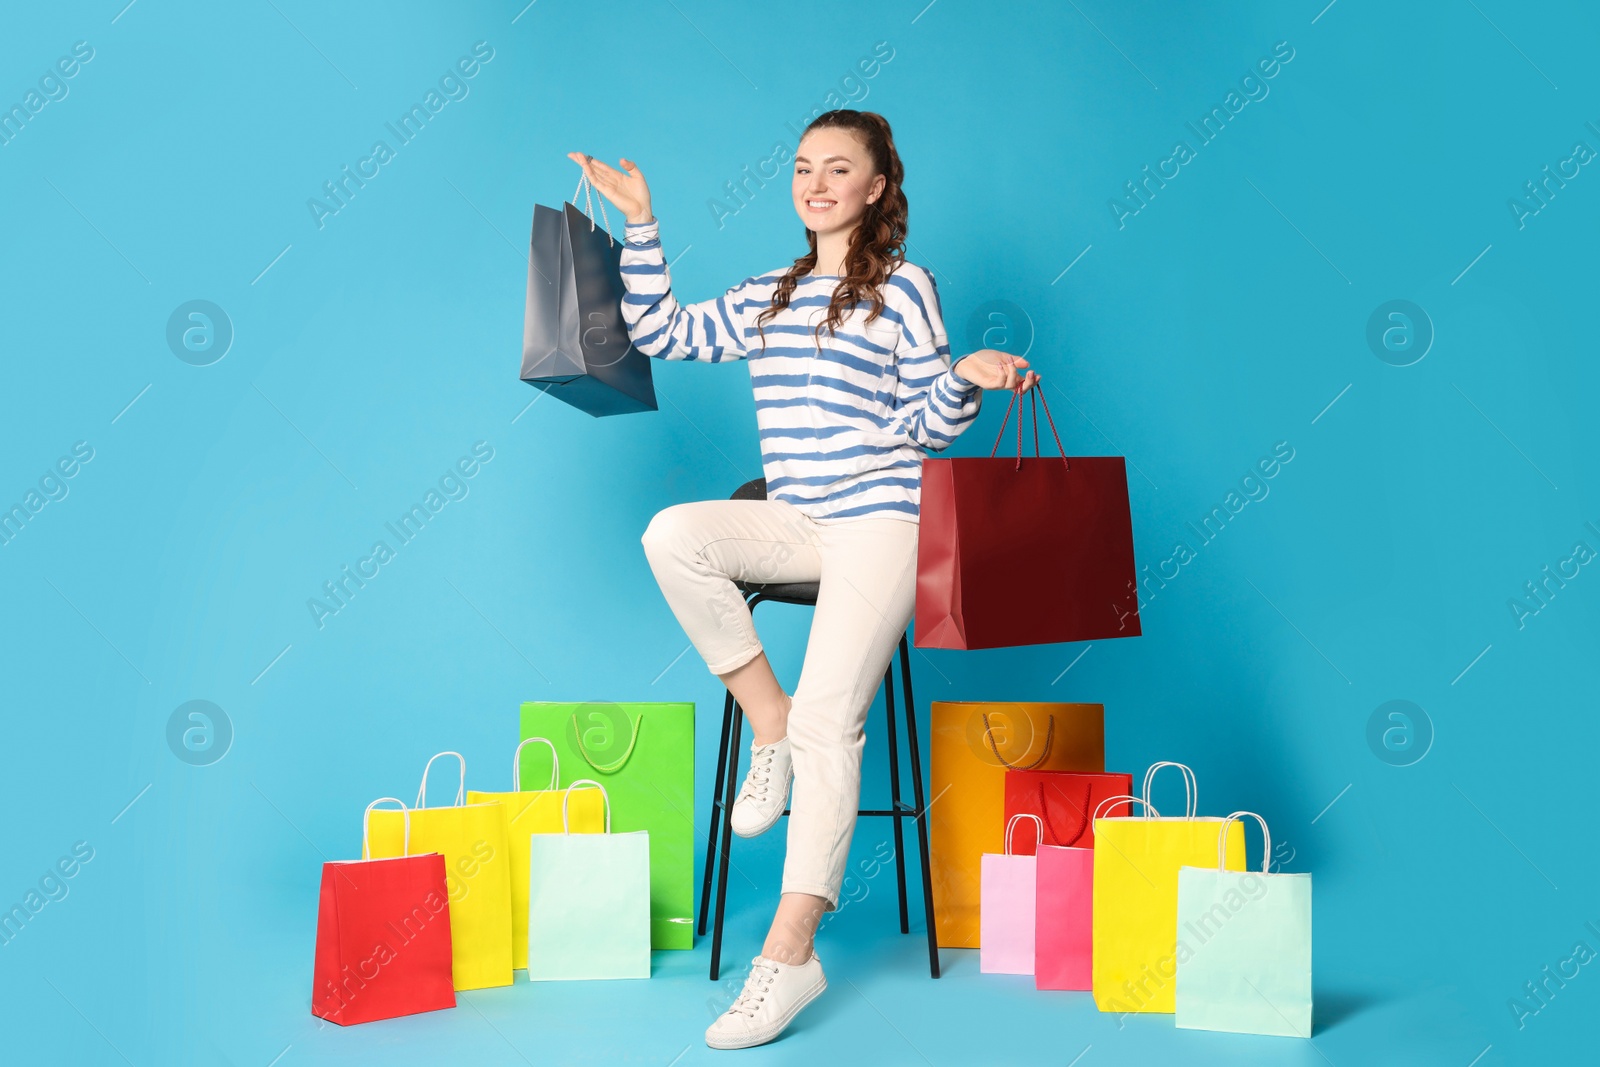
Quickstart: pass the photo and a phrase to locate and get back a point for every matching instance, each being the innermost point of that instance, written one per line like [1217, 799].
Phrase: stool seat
[803, 593]
[718, 844]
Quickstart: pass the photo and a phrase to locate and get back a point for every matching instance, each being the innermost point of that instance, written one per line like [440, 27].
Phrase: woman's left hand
[993, 369]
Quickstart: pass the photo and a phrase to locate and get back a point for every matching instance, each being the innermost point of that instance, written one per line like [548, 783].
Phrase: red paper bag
[1064, 801]
[1064, 521]
[383, 937]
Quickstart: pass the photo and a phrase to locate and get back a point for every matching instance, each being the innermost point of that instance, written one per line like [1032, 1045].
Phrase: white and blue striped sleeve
[711, 331]
[933, 403]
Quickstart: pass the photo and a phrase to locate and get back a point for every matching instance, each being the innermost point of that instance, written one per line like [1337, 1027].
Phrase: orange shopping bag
[974, 743]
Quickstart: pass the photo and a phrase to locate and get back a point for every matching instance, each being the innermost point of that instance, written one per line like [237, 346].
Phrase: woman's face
[834, 181]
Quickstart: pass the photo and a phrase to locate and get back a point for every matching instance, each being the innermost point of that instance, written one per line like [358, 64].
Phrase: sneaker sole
[758, 831]
[772, 1030]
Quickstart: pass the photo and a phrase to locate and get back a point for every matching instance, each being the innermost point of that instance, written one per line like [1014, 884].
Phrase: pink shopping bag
[1064, 913]
[1064, 919]
[1006, 907]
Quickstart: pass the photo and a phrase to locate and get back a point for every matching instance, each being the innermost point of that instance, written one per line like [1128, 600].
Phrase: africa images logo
[452, 84]
[452, 485]
[402, 931]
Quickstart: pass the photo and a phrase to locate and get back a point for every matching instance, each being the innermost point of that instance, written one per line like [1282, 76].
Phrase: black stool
[805, 594]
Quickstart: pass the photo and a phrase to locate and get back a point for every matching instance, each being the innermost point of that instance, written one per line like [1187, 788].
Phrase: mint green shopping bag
[1244, 947]
[588, 901]
[644, 753]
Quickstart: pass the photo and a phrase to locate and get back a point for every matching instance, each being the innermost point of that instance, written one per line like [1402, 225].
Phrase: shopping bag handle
[1191, 787]
[366, 820]
[1083, 810]
[461, 790]
[1011, 825]
[1049, 735]
[1036, 395]
[587, 189]
[1149, 809]
[604, 796]
[1266, 841]
[611, 768]
[516, 764]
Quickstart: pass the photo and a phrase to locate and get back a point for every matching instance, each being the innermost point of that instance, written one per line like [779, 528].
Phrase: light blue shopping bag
[588, 901]
[1244, 947]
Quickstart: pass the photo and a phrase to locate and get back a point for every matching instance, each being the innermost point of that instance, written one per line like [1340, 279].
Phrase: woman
[853, 385]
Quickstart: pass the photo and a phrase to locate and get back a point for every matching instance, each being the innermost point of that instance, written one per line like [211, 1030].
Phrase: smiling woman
[854, 384]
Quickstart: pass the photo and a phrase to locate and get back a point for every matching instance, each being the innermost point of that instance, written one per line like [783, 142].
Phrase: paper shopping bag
[1063, 917]
[575, 342]
[1136, 863]
[477, 859]
[383, 936]
[535, 811]
[1007, 907]
[975, 745]
[1244, 948]
[1063, 800]
[589, 902]
[1064, 912]
[1069, 518]
[644, 753]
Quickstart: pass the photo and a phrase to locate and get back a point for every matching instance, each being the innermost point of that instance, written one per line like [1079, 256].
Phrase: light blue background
[1224, 317]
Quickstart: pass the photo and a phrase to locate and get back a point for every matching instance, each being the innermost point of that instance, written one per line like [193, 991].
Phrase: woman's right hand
[991, 368]
[626, 188]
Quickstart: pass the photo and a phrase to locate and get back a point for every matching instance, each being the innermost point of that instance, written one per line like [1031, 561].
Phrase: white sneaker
[773, 995]
[765, 791]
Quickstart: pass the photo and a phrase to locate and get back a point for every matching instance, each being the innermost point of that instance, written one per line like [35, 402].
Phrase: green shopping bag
[588, 901]
[644, 754]
[1247, 968]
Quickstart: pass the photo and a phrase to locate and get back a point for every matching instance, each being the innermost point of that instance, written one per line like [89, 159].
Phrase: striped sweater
[843, 427]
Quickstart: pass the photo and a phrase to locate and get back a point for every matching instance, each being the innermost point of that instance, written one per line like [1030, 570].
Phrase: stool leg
[716, 813]
[917, 797]
[728, 791]
[894, 795]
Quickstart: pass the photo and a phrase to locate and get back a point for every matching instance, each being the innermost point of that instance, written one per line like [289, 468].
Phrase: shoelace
[756, 987]
[760, 777]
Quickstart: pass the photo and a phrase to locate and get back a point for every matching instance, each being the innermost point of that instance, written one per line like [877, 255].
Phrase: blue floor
[215, 984]
[881, 1007]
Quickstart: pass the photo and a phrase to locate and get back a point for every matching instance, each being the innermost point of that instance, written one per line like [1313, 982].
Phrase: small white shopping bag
[588, 901]
[1247, 968]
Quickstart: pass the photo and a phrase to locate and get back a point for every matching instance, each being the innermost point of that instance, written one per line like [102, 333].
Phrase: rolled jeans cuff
[829, 895]
[733, 664]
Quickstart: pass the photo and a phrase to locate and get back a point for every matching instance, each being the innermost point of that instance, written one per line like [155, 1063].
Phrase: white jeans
[867, 570]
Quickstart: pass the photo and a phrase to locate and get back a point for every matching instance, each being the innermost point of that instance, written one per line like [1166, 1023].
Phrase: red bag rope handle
[1033, 395]
[1083, 824]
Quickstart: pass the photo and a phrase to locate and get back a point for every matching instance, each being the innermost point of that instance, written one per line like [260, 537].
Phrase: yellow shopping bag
[537, 811]
[1136, 951]
[477, 863]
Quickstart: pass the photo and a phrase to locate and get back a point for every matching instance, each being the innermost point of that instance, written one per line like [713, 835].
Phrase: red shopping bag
[1025, 551]
[383, 936]
[1063, 801]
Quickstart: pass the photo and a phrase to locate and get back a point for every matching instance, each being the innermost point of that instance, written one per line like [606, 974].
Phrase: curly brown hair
[877, 246]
